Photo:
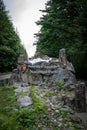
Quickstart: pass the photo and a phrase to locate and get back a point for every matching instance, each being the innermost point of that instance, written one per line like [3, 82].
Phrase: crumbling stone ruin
[45, 69]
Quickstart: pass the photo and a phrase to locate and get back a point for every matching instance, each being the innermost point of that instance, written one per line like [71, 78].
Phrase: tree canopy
[10, 43]
[64, 25]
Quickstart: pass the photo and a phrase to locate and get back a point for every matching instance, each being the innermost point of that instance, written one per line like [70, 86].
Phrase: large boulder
[24, 101]
[63, 74]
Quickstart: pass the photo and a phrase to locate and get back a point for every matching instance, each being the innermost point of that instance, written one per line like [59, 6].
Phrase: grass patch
[48, 93]
[37, 117]
[39, 103]
[8, 107]
[21, 93]
[29, 118]
[59, 84]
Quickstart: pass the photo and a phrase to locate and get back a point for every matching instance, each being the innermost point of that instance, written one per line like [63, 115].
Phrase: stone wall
[50, 71]
[45, 69]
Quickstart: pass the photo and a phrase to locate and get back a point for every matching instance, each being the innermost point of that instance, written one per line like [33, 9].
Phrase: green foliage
[63, 25]
[8, 115]
[10, 43]
[14, 117]
[39, 103]
[48, 93]
[63, 111]
[28, 118]
[60, 84]
[9, 122]
[21, 93]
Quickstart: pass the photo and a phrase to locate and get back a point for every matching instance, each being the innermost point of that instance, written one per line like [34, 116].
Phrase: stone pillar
[22, 59]
[62, 56]
[80, 97]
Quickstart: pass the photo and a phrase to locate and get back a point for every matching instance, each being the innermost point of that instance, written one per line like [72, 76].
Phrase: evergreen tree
[64, 25]
[2, 7]
[56, 26]
[10, 43]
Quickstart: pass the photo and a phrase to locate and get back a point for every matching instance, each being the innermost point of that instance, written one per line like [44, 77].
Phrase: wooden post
[80, 97]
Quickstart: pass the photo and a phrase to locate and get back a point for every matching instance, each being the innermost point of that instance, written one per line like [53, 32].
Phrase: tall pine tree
[10, 43]
[63, 25]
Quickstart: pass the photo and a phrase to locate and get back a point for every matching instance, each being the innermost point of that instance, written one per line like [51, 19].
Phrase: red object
[23, 67]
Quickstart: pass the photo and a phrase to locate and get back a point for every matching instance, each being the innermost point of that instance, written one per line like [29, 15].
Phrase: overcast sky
[24, 14]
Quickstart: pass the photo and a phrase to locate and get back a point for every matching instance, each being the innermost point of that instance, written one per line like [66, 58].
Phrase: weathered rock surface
[24, 101]
[24, 90]
[49, 74]
[83, 117]
[22, 59]
[59, 107]
[80, 97]
[45, 69]
[22, 94]
[50, 71]
[5, 79]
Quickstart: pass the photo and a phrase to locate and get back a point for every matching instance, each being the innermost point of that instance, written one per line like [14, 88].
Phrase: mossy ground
[39, 116]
